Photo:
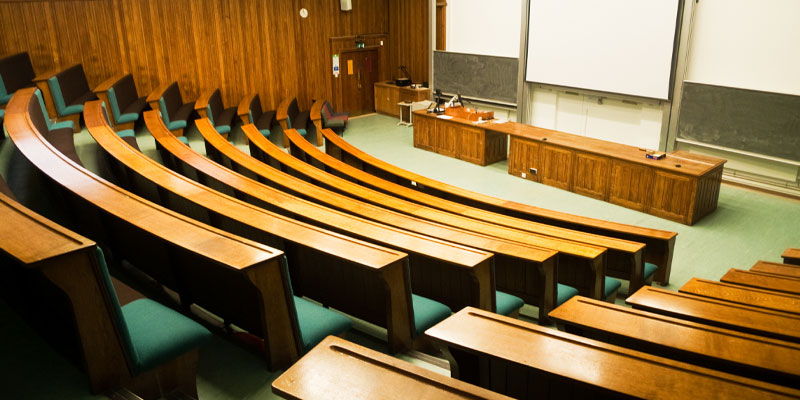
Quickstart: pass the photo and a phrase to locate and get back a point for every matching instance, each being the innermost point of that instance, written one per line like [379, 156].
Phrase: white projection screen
[616, 46]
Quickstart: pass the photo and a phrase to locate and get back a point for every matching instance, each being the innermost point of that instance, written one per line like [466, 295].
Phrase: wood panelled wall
[240, 46]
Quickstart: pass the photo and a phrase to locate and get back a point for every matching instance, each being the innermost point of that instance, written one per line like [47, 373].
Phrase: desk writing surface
[777, 268]
[764, 280]
[598, 364]
[743, 295]
[338, 369]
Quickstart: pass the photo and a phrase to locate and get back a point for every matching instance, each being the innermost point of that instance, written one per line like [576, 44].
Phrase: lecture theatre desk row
[682, 187]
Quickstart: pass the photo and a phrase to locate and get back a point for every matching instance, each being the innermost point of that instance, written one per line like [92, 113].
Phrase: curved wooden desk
[777, 268]
[791, 256]
[362, 279]
[526, 361]
[660, 244]
[235, 278]
[581, 265]
[725, 350]
[455, 275]
[534, 278]
[763, 280]
[753, 297]
[337, 369]
[757, 321]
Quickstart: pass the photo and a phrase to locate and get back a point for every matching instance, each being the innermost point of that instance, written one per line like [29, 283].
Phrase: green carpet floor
[746, 227]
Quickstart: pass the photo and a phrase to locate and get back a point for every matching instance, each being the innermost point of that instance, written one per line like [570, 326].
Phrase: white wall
[613, 120]
[483, 27]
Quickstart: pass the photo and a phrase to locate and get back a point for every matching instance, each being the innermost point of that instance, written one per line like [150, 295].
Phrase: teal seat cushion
[506, 303]
[62, 124]
[58, 96]
[184, 140]
[127, 133]
[2, 113]
[223, 128]
[427, 313]
[162, 107]
[564, 293]
[73, 109]
[4, 99]
[112, 98]
[265, 132]
[317, 322]
[129, 117]
[649, 270]
[176, 125]
[612, 285]
[160, 334]
[302, 132]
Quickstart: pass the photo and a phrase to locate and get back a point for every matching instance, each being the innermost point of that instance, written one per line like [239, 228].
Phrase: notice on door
[349, 67]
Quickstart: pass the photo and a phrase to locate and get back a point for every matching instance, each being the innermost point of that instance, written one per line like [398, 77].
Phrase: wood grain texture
[240, 46]
[725, 350]
[777, 268]
[338, 369]
[778, 283]
[660, 244]
[743, 295]
[526, 361]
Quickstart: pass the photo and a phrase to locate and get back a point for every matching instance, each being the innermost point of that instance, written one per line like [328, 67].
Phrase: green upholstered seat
[265, 132]
[427, 313]
[127, 133]
[317, 322]
[58, 98]
[5, 97]
[506, 303]
[612, 285]
[649, 270]
[152, 333]
[223, 128]
[302, 132]
[171, 125]
[118, 116]
[184, 140]
[564, 293]
[50, 124]
[129, 117]
[129, 99]
[2, 113]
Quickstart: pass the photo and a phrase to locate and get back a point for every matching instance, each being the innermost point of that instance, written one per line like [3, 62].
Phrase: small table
[405, 114]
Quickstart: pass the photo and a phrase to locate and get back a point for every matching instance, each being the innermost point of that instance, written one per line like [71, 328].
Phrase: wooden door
[359, 74]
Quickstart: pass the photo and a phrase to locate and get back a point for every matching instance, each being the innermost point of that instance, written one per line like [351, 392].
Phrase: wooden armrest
[316, 110]
[157, 93]
[244, 106]
[108, 83]
[283, 109]
[202, 102]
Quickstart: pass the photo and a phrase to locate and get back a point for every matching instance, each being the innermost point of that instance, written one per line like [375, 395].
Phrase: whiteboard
[746, 44]
[617, 46]
[489, 28]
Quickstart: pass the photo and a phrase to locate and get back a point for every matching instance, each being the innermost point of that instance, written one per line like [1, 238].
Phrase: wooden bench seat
[361, 279]
[791, 256]
[120, 345]
[241, 281]
[750, 296]
[250, 112]
[120, 95]
[167, 101]
[726, 350]
[526, 361]
[210, 106]
[534, 268]
[757, 321]
[338, 369]
[660, 244]
[581, 265]
[290, 117]
[776, 268]
[764, 280]
[64, 93]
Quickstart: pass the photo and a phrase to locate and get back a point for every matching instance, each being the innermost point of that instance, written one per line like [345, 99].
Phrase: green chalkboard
[749, 120]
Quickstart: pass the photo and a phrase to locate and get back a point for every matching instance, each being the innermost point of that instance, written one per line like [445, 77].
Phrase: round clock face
[304, 13]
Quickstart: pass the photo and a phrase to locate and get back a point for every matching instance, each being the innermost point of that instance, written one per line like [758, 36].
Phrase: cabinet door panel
[447, 138]
[524, 155]
[590, 175]
[672, 196]
[557, 168]
[630, 185]
[471, 145]
[424, 133]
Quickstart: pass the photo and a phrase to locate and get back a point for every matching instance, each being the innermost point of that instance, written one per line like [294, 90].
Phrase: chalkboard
[742, 119]
[483, 77]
